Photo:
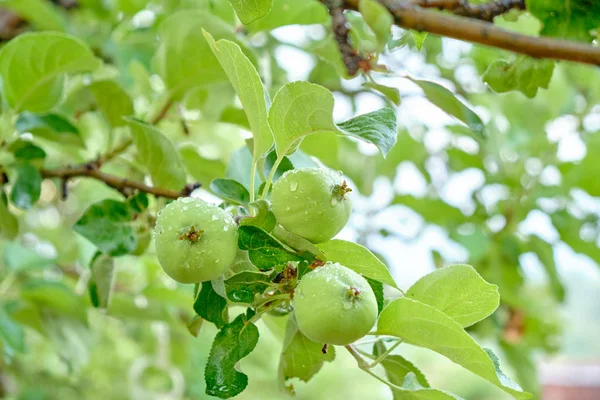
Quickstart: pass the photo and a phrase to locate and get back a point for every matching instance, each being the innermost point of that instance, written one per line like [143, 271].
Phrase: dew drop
[187, 199]
[287, 208]
[185, 208]
[217, 260]
[347, 305]
[293, 186]
[214, 218]
[334, 201]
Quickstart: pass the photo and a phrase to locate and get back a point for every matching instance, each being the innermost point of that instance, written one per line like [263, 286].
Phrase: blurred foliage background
[520, 206]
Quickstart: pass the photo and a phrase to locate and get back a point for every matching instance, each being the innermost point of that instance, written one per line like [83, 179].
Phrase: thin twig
[409, 16]
[117, 151]
[485, 12]
[364, 365]
[162, 113]
[121, 184]
[128, 142]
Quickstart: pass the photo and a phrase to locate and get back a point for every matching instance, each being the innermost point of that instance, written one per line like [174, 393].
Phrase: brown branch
[486, 11]
[351, 58]
[123, 185]
[411, 17]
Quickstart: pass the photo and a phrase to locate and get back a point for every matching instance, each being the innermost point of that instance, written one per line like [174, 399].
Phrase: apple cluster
[197, 241]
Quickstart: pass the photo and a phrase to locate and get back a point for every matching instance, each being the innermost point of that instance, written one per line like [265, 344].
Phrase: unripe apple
[334, 305]
[312, 202]
[195, 241]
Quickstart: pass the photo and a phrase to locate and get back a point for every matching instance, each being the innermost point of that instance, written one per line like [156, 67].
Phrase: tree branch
[351, 59]
[90, 170]
[411, 17]
[486, 11]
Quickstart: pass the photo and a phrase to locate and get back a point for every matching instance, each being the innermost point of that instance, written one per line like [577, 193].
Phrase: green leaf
[138, 202]
[522, 359]
[233, 342]
[357, 258]
[203, 169]
[55, 296]
[9, 224]
[113, 101]
[573, 19]
[391, 93]
[377, 127]
[107, 225]
[422, 325]
[158, 155]
[184, 59]
[33, 67]
[458, 291]
[211, 306]
[12, 334]
[545, 253]
[524, 73]
[414, 390]
[303, 108]
[247, 84]
[27, 187]
[362, 37]
[419, 38]
[378, 291]
[50, 127]
[264, 218]
[236, 116]
[25, 151]
[102, 281]
[230, 190]
[242, 287]
[20, 258]
[41, 14]
[434, 211]
[299, 109]
[249, 11]
[291, 12]
[447, 101]
[329, 52]
[298, 243]
[264, 251]
[378, 18]
[301, 357]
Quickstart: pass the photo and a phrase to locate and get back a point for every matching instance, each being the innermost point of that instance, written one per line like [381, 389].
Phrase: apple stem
[366, 366]
[386, 353]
